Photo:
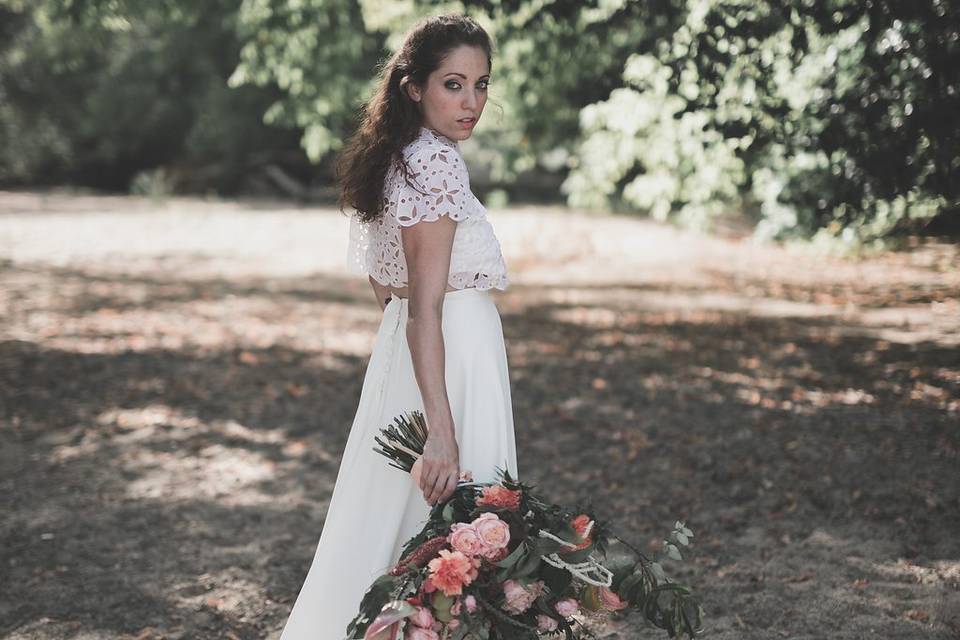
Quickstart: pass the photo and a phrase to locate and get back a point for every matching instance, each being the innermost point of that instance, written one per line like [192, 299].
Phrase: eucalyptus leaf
[448, 512]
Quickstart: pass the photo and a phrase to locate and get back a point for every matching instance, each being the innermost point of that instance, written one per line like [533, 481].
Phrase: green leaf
[657, 569]
[529, 564]
[514, 556]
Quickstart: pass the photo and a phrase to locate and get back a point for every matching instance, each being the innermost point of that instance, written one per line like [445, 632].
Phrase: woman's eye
[453, 84]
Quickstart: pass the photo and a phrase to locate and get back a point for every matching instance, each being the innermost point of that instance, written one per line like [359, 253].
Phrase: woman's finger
[448, 487]
[427, 478]
[431, 490]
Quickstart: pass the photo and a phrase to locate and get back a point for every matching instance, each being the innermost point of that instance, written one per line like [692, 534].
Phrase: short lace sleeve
[438, 184]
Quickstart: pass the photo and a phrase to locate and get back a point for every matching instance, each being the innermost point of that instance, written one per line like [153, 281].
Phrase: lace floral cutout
[437, 184]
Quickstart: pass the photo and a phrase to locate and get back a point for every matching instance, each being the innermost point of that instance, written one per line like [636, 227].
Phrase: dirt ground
[177, 380]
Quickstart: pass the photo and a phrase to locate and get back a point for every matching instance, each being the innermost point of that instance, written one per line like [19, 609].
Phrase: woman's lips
[467, 122]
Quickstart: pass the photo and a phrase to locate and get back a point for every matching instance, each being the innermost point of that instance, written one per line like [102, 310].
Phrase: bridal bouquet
[497, 562]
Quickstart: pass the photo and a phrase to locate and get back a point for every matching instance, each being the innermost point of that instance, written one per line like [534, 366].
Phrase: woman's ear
[410, 88]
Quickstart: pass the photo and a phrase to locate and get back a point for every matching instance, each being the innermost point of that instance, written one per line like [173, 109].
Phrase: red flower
[583, 525]
[419, 556]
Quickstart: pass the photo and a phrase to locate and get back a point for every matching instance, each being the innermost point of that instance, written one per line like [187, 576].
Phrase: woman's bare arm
[427, 247]
[382, 292]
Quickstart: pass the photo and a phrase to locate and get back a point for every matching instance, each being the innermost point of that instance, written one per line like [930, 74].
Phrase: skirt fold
[375, 508]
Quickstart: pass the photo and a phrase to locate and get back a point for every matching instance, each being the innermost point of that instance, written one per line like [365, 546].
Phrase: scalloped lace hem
[456, 280]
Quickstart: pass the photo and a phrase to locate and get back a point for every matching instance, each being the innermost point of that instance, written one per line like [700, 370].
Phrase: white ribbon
[582, 570]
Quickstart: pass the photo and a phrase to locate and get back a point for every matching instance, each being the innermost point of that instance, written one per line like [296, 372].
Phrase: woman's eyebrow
[455, 73]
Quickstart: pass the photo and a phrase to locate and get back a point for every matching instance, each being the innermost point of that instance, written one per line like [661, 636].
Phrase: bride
[432, 258]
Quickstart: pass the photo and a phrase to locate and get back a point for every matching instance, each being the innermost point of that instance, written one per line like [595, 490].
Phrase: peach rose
[419, 633]
[566, 607]
[422, 618]
[546, 623]
[610, 600]
[498, 555]
[493, 532]
[465, 539]
[518, 597]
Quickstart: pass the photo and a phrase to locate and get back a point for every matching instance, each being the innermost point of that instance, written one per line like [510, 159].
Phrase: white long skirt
[375, 508]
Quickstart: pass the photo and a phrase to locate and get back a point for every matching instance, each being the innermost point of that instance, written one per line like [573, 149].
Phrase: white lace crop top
[441, 186]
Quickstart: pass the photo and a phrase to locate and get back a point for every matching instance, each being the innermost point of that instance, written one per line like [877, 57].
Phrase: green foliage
[833, 120]
[827, 120]
[96, 93]
[320, 53]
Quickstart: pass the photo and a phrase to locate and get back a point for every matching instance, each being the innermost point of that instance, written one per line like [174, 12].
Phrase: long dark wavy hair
[390, 120]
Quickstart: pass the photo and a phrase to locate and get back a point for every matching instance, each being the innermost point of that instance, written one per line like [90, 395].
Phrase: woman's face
[456, 90]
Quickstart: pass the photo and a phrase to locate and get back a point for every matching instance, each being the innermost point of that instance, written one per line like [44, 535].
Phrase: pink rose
[610, 600]
[419, 633]
[546, 623]
[465, 539]
[453, 624]
[471, 603]
[422, 618]
[566, 607]
[455, 608]
[494, 532]
[518, 597]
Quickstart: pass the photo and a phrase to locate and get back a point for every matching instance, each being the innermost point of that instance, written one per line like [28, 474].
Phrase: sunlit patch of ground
[177, 381]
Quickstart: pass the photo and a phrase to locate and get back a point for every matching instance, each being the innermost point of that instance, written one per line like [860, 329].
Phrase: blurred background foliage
[835, 121]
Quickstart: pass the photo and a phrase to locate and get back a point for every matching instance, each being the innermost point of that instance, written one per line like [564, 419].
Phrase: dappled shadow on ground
[170, 444]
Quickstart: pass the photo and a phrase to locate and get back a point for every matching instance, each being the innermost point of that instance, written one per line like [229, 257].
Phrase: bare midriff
[402, 291]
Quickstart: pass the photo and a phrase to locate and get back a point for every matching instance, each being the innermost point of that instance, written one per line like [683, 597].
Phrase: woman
[432, 258]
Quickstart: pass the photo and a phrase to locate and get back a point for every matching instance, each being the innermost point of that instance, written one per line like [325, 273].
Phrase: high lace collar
[430, 133]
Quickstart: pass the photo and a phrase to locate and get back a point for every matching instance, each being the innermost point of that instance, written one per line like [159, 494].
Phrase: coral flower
[499, 497]
[451, 571]
[583, 525]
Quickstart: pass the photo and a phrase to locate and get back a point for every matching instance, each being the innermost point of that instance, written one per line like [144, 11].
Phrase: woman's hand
[440, 467]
